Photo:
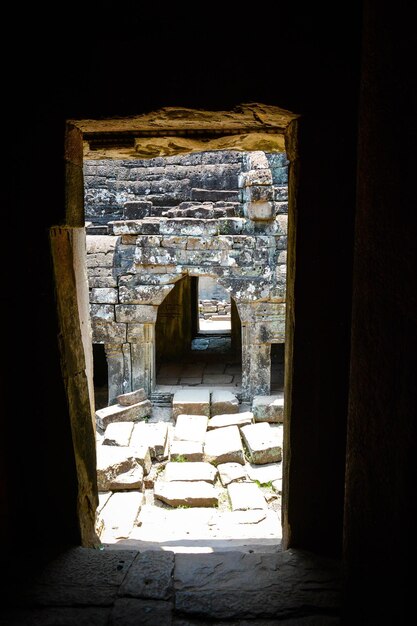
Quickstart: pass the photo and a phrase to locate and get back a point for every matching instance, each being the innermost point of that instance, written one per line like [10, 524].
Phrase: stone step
[191, 402]
[223, 402]
[186, 493]
[231, 472]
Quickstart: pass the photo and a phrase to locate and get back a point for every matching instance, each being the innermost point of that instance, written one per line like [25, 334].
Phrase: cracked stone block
[112, 462]
[262, 442]
[119, 515]
[154, 436]
[231, 472]
[266, 473]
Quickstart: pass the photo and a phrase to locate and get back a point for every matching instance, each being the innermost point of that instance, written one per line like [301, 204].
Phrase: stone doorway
[245, 251]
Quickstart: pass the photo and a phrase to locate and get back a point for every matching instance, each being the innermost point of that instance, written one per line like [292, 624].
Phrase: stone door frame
[248, 127]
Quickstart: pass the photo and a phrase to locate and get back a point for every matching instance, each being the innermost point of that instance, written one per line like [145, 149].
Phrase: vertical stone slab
[142, 350]
[115, 368]
[127, 369]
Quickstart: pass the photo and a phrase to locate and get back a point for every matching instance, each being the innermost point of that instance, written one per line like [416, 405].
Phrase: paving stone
[119, 515]
[132, 479]
[150, 576]
[113, 462]
[81, 577]
[230, 419]
[181, 493]
[230, 472]
[217, 379]
[223, 445]
[154, 436]
[262, 443]
[56, 616]
[268, 408]
[244, 496]
[264, 473]
[247, 585]
[135, 611]
[191, 402]
[133, 397]
[119, 413]
[118, 434]
[190, 427]
[186, 450]
[222, 402]
[193, 471]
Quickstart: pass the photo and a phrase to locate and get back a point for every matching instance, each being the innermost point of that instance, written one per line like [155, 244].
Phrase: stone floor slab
[230, 472]
[186, 451]
[262, 443]
[190, 428]
[230, 419]
[150, 576]
[246, 586]
[119, 515]
[185, 493]
[118, 434]
[153, 435]
[245, 496]
[190, 471]
[223, 445]
[135, 612]
[265, 473]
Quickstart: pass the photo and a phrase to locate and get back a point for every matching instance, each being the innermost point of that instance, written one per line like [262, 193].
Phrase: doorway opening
[126, 313]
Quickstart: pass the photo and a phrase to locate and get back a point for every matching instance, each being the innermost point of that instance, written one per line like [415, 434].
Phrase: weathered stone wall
[163, 183]
[134, 268]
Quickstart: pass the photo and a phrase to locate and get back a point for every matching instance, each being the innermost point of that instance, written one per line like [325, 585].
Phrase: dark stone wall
[165, 182]
[62, 75]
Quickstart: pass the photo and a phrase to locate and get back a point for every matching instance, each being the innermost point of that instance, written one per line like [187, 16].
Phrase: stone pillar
[115, 367]
[256, 355]
[142, 351]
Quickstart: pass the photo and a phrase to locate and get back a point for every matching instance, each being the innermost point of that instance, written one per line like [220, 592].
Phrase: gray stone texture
[223, 445]
[262, 442]
[119, 413]
[186, 493]
[132, 397]
[150, 576]
[268, 408]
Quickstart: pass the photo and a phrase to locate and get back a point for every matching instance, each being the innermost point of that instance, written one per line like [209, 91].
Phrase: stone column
[256, 351]
[118, 378]
[142, 351]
